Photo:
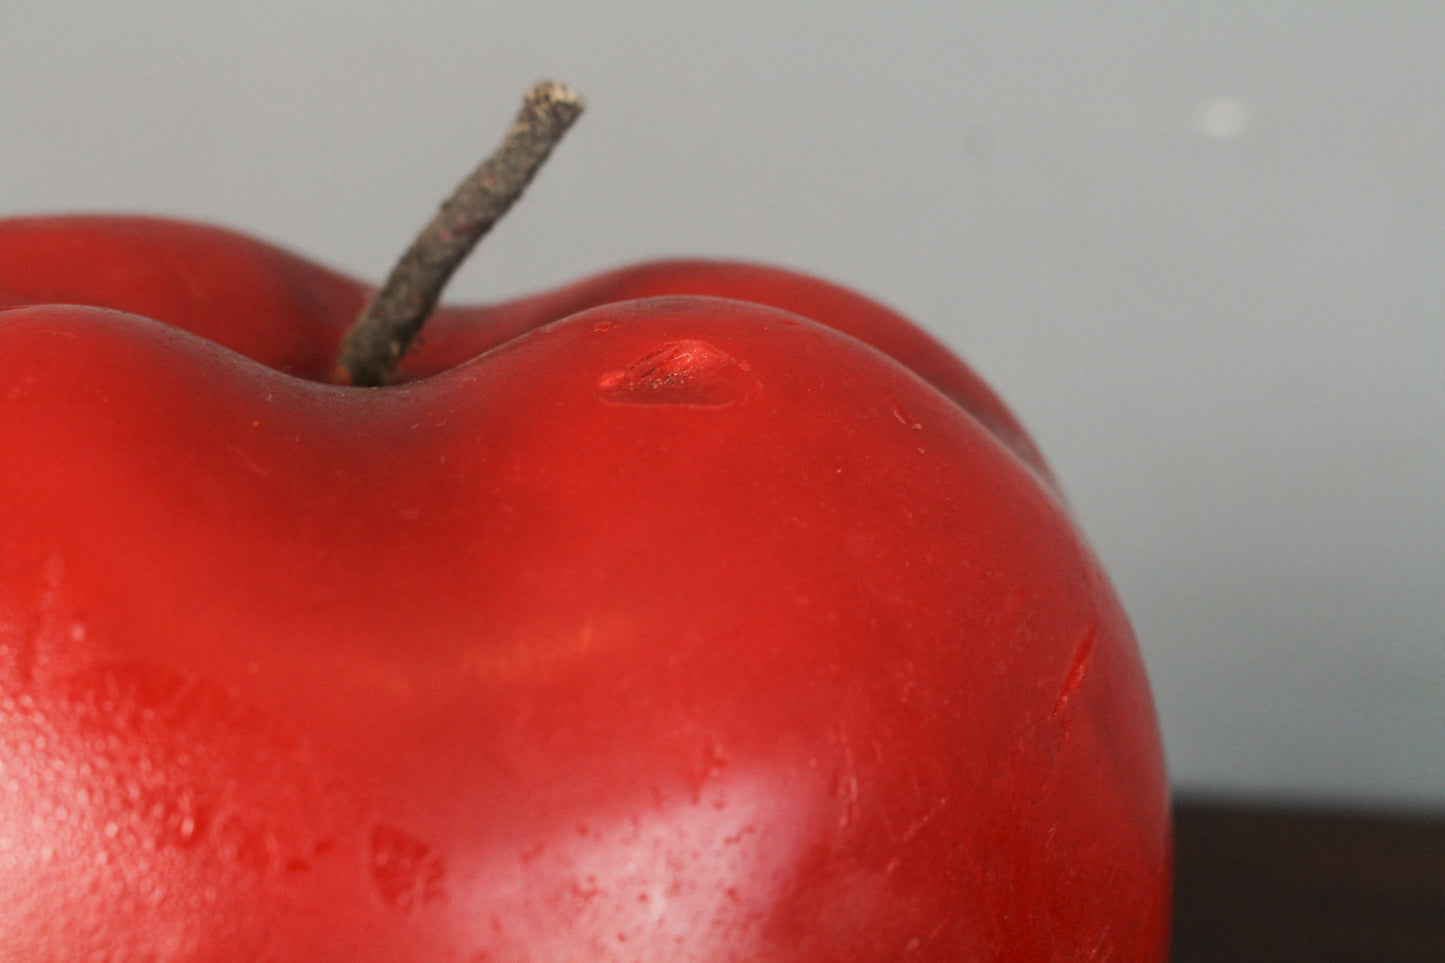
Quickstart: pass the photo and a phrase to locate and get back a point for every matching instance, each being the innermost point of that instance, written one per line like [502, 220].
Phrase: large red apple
[747, 627]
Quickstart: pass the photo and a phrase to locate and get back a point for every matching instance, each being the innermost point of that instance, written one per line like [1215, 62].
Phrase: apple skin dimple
[681, 373]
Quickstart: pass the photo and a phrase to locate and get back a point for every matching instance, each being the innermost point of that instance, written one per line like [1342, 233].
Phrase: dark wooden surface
[1255, 883]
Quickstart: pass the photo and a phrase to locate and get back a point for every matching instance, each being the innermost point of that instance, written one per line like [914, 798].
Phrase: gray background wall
[1197, 245]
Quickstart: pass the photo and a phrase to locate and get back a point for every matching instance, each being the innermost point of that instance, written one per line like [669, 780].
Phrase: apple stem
[381, 335]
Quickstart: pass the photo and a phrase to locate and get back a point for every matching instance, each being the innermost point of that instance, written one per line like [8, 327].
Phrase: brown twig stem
[375, 344]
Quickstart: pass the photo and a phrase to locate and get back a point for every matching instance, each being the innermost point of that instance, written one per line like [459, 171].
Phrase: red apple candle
[691, 612]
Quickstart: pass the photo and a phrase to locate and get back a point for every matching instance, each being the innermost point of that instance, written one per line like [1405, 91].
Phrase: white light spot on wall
[1224, 118]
